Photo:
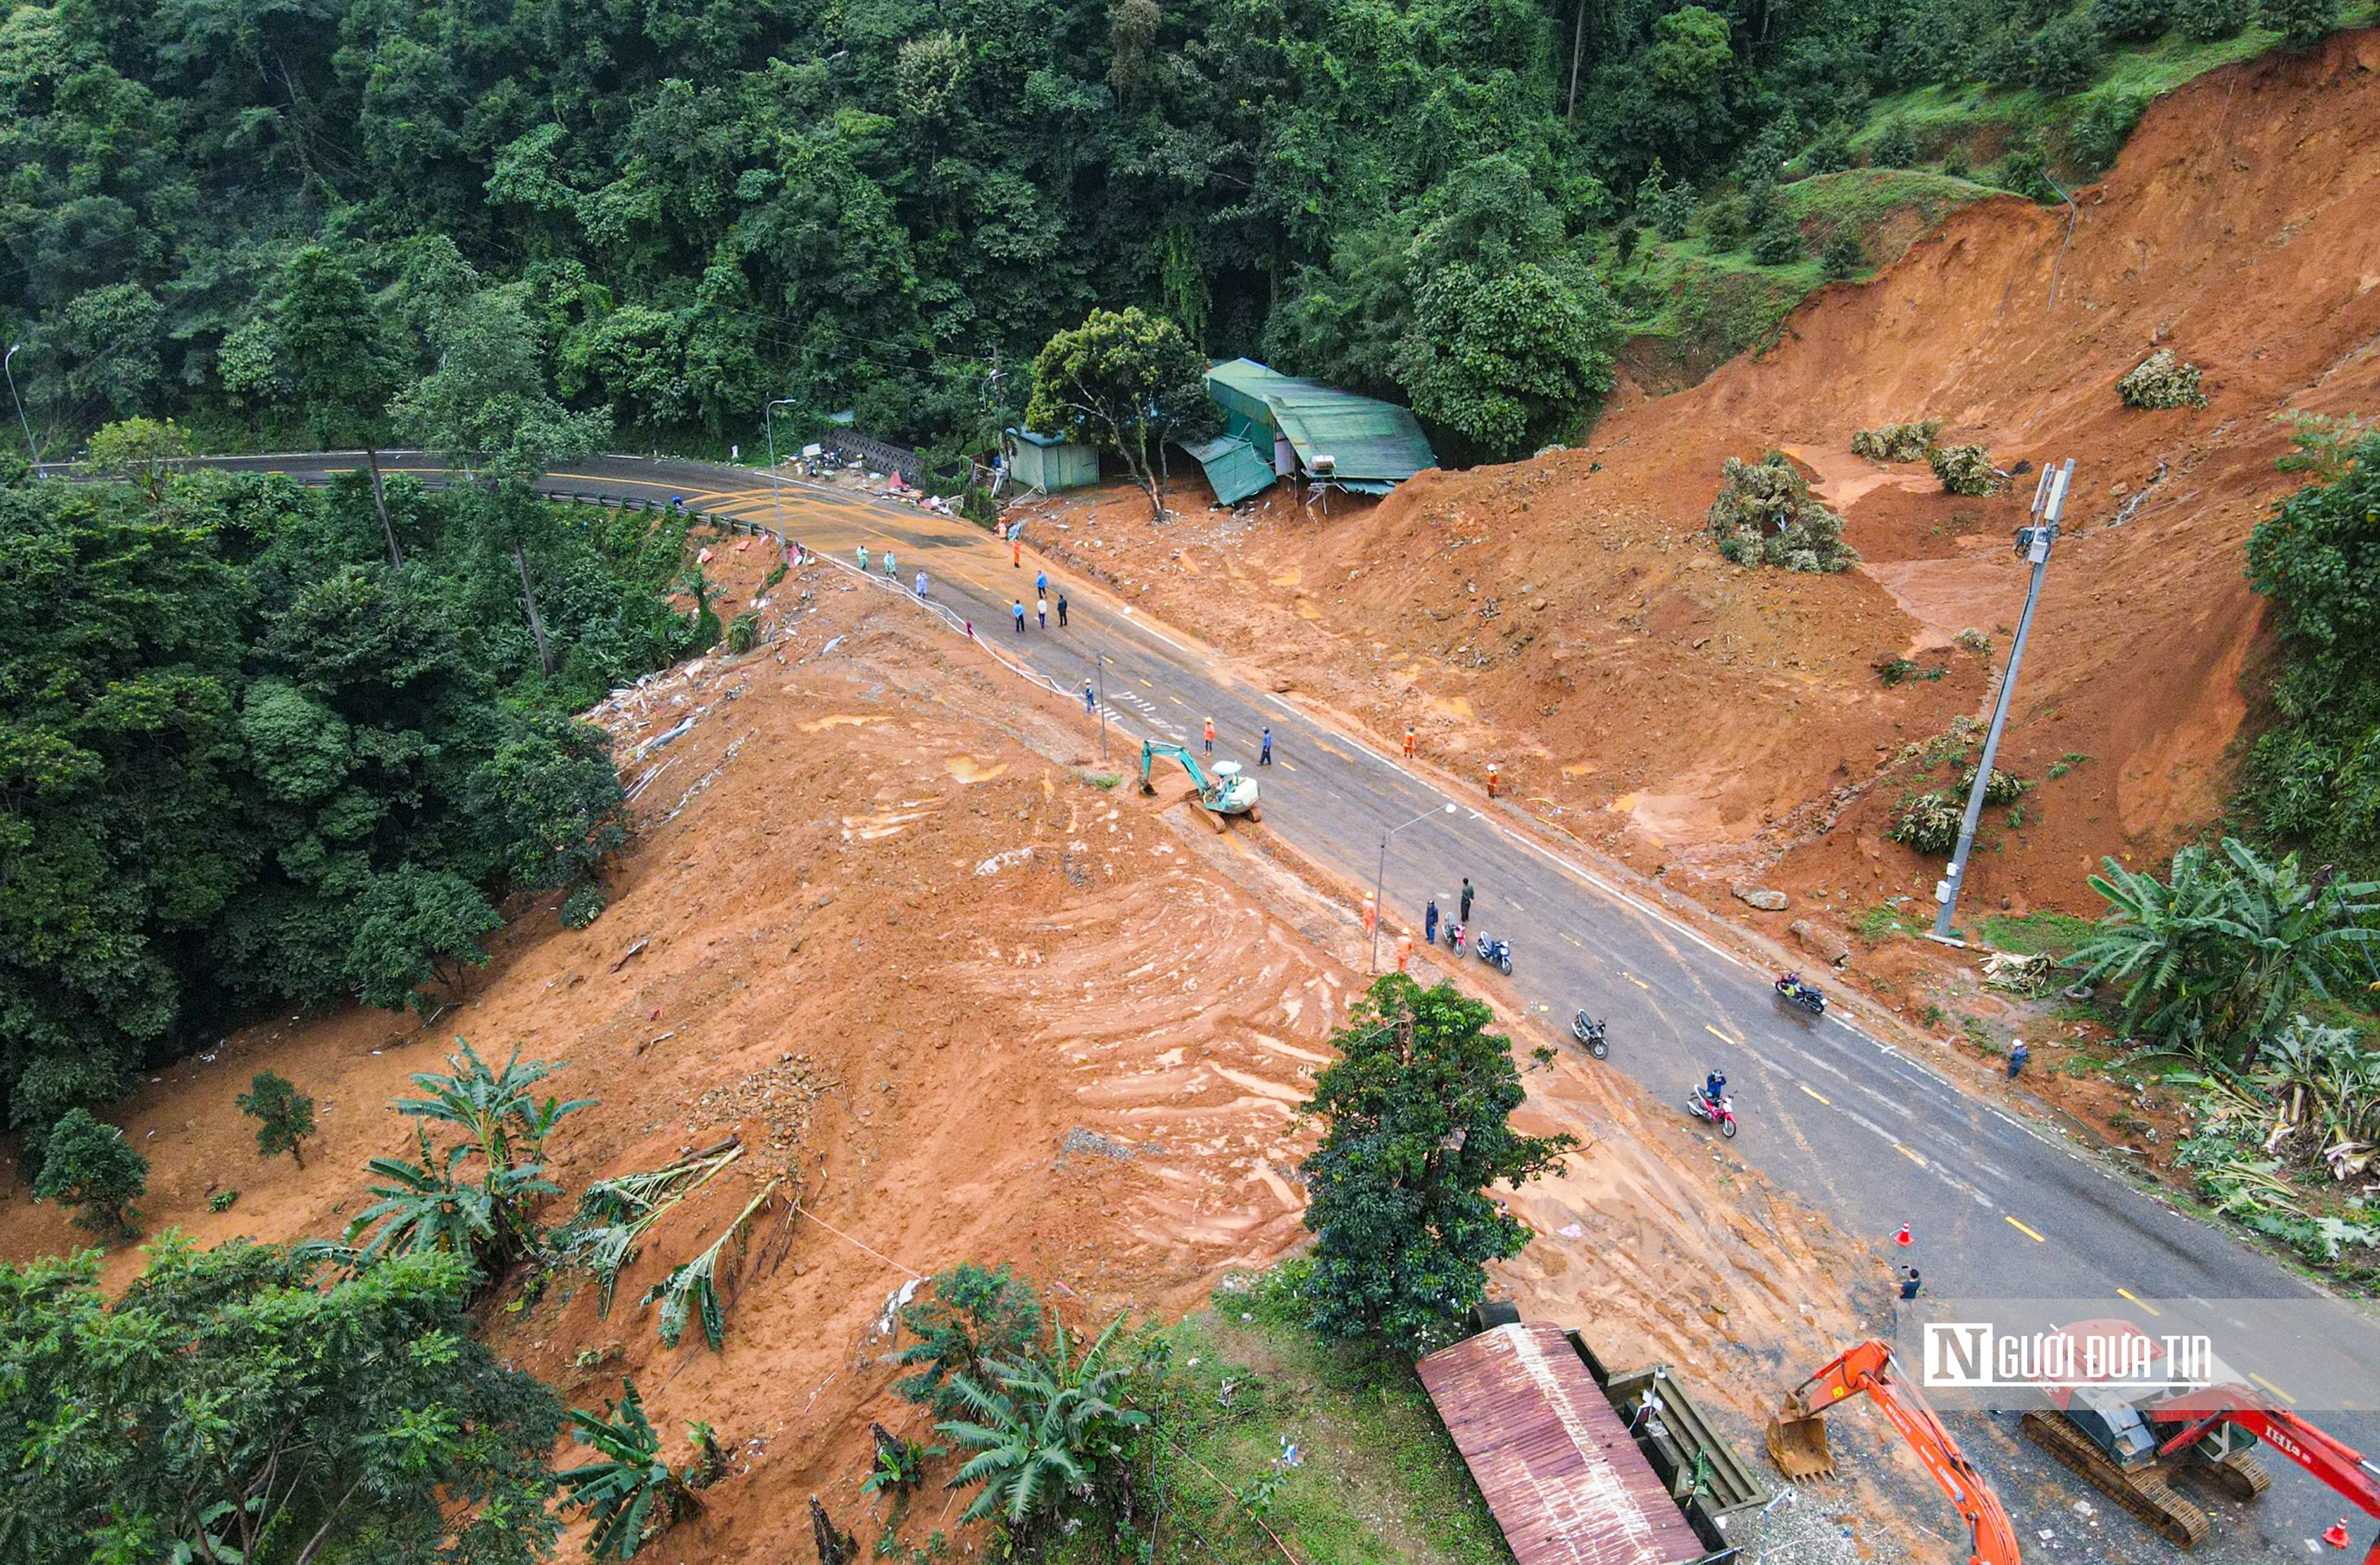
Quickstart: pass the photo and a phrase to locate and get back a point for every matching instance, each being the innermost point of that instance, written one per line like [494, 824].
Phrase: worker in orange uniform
[1409, 741]
[1210, 736]
[1491, 779]
[1371, 915]
[1404, 950]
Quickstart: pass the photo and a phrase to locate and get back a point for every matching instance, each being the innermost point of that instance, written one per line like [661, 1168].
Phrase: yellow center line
[2270, 1387]
[2138, 1300]
[1816, 1094]
[1908, 1154]
[1718, 1035]
[2026, 1232]
[1573, 940]
[1637, 981]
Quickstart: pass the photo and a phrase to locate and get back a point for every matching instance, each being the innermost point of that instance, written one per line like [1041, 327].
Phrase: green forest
[888, 207]
[247, 761]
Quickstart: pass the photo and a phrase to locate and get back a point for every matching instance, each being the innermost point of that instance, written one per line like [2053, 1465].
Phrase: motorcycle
[1589, 1031]
[1496, 954]
[1791, 988]
[1722, 1113]
[1454, 938]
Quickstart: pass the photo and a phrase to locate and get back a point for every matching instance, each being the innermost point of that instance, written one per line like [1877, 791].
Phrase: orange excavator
[1797, 1440]
[2131, 1448]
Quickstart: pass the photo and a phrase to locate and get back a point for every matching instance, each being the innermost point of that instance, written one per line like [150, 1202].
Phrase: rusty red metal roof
[1566, 1481]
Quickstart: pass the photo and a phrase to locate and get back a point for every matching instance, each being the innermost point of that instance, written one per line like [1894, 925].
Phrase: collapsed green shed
[1049, 462]
[1277, 426]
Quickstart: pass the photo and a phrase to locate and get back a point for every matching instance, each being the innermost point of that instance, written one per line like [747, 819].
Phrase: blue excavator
[1223, 791]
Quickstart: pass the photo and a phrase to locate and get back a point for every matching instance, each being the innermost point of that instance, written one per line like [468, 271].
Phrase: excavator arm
[1868, 1368]
[1150, 750]
[2346, 1471]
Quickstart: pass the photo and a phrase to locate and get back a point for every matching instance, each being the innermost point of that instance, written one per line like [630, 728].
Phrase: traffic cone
[2335, 1534]
[1903, 1238]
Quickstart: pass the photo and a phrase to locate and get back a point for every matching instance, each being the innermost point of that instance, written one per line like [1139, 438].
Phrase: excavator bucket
[1798, 1444]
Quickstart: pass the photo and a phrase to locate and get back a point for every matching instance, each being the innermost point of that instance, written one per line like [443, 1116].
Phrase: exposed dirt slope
[878, 925]
[1567, 618]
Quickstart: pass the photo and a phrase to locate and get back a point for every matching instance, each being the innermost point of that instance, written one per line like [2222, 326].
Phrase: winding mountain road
[1865, 1131]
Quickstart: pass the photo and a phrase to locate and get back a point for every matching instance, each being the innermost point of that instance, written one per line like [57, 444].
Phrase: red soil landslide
[1568, 617]
[881, 922]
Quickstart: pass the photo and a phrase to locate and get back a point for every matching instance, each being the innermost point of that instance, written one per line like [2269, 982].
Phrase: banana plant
[424, 1207]
[499, 1117]
[614, 1215]
[630, 1489]
[692, 1290]
[1047, 1426]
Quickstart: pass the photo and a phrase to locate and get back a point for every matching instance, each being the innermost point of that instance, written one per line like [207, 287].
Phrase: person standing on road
[921, 584]
[1090, 699]
[1264, 749]
[1042, 607]
[863, 559]
[1429, 922]
[1062, 611]
[1016, 612]
[891, 571]
[1465, 915]
[1909, 1282]
[1042, 584]
[1016, 549]
[1210, 746]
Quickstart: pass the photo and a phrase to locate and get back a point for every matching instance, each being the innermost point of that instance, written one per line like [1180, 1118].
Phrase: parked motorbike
[1589, 1031]
[1496, 954]
[1454, 938]
[1722, 1113]
[1791, 988]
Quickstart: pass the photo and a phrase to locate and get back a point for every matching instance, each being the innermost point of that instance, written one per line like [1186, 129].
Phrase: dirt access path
[880, 922]
[1567, 618]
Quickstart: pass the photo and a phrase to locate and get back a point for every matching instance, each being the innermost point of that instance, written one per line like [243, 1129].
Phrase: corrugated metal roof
[1365, 437]
[1232, 467]
[1558, 1468]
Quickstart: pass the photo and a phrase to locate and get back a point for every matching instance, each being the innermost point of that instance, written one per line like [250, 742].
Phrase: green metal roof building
[1276, 425]
[1049, 462]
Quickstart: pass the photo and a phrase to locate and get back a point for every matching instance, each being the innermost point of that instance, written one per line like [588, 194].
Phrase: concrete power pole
[2033, 542]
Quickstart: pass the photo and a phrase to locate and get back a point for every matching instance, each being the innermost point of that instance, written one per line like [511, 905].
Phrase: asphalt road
[1862, 1131]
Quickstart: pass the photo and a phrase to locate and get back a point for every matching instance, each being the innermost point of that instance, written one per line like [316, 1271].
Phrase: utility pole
[776, 488]
[2033, 543]
[1100, 660]
[22, 422]
[1381, 881]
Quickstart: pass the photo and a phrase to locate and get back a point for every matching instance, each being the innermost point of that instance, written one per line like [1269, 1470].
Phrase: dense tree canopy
[275, 212]
[228, 1405]
[1416, 1116]
[245, 760]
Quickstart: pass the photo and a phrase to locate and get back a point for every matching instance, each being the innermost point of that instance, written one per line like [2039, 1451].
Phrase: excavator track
[2146, 1494]
[2239, 1477]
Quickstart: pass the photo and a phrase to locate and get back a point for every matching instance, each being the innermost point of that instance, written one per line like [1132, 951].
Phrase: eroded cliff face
[1568, 618]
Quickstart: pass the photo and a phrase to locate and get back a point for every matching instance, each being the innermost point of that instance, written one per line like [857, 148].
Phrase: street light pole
[1099, 662]
[776, 485]
[1381, 881]
[2033, 542]
[22, 422]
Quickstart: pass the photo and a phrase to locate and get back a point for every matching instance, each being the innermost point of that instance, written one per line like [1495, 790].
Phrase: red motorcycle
[1720, 1113]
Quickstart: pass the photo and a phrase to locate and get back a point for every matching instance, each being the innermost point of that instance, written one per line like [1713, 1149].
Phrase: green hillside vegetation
[889, 208]
[248, 763]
